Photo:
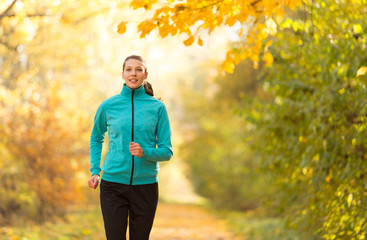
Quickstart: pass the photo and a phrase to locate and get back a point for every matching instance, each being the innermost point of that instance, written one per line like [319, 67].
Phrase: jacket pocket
[115, 163]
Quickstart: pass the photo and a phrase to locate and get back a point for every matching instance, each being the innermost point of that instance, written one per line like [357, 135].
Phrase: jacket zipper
[132, 135]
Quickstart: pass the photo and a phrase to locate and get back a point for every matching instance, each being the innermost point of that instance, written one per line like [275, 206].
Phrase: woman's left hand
[136, 150]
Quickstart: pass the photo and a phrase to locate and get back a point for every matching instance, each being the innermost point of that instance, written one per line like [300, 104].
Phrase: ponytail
[148, 88]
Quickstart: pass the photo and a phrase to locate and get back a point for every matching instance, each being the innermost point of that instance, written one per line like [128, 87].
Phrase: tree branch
[8, 9]
[255, 2]
[182, 7]
[28, 15]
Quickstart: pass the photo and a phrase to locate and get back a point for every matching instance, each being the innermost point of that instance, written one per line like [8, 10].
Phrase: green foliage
[223, 169]
[312, 136]
[254, 225]
[16, 197]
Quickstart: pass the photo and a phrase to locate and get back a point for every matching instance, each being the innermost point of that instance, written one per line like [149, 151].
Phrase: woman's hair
[147, 86]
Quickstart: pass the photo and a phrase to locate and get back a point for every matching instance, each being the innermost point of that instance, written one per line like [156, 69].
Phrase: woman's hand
[136, 150]
[93, 181]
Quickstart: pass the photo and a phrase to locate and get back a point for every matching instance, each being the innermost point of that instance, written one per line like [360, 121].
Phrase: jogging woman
[139, 137]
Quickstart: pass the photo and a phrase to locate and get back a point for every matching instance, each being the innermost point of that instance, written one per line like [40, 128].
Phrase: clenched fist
[93, 181]
[136, 150]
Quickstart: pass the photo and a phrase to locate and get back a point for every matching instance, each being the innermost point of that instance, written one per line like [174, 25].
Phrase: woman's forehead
[134, 63]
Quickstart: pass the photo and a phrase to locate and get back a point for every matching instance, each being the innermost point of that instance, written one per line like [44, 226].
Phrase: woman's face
[134, 73]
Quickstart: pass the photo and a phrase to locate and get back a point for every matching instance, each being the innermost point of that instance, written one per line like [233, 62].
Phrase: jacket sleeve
[164, 150]
[97, 139]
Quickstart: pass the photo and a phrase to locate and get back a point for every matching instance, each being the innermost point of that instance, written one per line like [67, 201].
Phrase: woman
[139, 137]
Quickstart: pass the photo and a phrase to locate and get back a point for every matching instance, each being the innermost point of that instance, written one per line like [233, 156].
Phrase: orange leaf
[146, 27]
[121, 28]
[228, 66]
[189, 41]
[200, 41]
[268, 59]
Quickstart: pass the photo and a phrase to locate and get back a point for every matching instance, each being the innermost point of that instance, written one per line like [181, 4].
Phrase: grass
[256, 225]
[85, 223]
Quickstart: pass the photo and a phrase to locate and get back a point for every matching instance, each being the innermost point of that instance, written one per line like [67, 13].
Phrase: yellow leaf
[189, 41]
[254, 57]
[238, 58]
[279, 15]
[200, 41]
[135, 4]
[121, 28]
[173, 31]
[328, 178]
[146, 27]
[357, 28]
[250, 39]
[230, 21]
[268, 59]
[164, 31]
[228, 66]
[350, 199]
[268, 43]
[362, 71]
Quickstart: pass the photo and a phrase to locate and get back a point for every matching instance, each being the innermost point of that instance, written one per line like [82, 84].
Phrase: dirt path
[184, 220]
[187, 222]
[172, 222]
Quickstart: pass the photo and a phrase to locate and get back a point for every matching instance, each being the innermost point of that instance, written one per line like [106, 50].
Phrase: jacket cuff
[146, 153]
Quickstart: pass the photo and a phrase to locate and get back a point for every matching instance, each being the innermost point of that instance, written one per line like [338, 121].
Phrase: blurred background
[275, 146]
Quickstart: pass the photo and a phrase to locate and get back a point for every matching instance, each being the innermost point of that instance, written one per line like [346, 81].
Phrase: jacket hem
[126, 179]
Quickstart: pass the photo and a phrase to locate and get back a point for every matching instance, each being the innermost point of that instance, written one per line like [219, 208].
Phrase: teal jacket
[131, 116]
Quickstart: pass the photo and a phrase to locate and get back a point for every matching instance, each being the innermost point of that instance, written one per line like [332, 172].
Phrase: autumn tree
[256, 20]
[43, 136]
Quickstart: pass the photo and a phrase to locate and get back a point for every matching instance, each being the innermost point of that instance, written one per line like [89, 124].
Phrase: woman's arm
[97, 139]
[164, 151]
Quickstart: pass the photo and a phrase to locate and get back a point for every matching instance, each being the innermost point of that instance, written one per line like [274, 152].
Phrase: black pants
[122, 203]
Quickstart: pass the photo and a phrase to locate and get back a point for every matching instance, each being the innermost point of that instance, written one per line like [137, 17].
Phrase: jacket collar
[127, 92]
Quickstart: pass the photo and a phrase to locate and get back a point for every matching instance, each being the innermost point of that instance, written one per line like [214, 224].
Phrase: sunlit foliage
[312, 136]
[40, 161]
[256, 20]
[42, 128]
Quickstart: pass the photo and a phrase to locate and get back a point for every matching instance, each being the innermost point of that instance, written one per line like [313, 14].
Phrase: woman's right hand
[93, 181]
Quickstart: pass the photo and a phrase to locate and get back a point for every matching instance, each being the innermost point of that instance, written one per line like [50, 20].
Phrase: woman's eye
[139, 69]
